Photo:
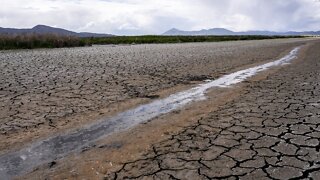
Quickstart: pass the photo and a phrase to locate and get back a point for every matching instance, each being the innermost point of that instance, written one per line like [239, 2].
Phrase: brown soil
[112, 152]
[45, 92]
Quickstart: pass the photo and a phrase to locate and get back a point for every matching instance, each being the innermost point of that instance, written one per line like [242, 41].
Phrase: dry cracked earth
[44, 88]
[270, 132]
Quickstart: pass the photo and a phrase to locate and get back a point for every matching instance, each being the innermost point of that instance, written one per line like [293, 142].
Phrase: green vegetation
[175, 39]
[39, 41]
[55, 41]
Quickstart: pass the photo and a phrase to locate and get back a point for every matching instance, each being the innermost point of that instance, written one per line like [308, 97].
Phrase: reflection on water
[17, 163]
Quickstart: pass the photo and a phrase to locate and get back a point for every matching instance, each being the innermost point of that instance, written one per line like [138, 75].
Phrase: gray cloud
[154, 17]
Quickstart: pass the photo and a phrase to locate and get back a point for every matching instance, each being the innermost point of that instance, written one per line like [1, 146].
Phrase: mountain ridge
[44, 29]
[223, 31]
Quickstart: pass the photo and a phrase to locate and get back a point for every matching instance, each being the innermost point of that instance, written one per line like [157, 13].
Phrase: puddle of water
[22, 161]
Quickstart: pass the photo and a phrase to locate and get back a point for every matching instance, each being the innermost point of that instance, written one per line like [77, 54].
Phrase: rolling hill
[43, 29]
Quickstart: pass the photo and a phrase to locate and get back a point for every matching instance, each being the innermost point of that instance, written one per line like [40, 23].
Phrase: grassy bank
[55, 41]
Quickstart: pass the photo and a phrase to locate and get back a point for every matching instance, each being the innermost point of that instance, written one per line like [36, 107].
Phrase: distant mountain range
[222, 31]
[42, 29]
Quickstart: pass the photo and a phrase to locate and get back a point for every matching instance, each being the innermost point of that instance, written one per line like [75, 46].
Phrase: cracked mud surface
[270, 132]
[43, 88]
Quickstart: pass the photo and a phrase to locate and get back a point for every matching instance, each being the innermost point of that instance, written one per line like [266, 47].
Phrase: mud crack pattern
[270, 132]
[46, 88]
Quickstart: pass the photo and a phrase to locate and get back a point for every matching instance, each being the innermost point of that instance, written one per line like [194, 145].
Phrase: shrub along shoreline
[39, 41]
[33, 41]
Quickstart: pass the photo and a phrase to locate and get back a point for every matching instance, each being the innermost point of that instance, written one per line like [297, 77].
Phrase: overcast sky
[129, 17]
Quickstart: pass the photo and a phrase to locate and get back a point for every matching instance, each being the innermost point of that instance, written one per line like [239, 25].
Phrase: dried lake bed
[45, 91]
